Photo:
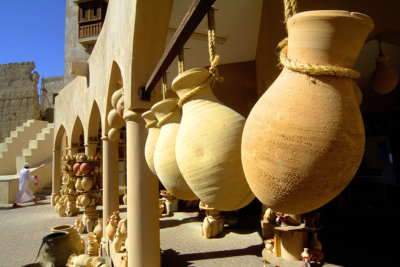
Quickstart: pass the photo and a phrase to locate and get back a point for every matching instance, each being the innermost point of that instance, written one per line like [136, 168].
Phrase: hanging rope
[214, 60]
[290, 7]
[164, 85]
[181, 67]
[168, 116]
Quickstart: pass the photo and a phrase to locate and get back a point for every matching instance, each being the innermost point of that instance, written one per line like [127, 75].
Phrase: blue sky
[33, 31]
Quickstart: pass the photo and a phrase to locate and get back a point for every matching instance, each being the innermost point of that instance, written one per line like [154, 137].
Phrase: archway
[76, 144]
[59, 149]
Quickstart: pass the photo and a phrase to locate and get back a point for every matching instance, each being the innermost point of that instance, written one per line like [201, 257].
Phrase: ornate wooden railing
[89, 30]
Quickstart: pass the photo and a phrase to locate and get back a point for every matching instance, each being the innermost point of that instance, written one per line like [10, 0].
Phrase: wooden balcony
[89, 30]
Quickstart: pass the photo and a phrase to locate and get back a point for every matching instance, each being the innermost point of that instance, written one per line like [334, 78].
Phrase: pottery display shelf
[170, 201]
[89, 190]
[65, 204]
[289, 243]
[213, 223]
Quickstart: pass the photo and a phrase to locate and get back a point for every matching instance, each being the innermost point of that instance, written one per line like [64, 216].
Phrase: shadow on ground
[171, 257]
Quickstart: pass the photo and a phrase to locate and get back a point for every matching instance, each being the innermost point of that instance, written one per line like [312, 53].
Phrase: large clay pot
[385, 77]
[304, 139]
[57, 248]
[208, 145]
[76, 239]
[152, 138]
[164, 154]
[116, 96]
[114, 119]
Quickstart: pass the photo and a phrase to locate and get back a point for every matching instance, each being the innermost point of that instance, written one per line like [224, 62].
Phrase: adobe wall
[19, 99]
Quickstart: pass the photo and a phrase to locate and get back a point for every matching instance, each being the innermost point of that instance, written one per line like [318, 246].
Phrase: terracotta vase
[151, 141]
[304, 139]
[98, 230]
[115, 97]
[85, 168]
[385, 77]
[164, 154]
[114, 119]
[208, 145]
[87, 183]
[73, 235]
[78, 184]
[76, 167]
[85, 200]
[56, 248]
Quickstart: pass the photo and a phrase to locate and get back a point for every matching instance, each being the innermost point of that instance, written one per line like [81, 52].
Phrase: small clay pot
[76, 167]
[85, 168]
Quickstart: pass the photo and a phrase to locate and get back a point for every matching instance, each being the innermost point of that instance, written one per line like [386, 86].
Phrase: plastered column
[90, 149]
[143, 221]
[110, 179]
[72, 150]
[56, 182]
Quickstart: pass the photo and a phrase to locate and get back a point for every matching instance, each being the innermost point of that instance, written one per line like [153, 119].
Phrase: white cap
[26, 165]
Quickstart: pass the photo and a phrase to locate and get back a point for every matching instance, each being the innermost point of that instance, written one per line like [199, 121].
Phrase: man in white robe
[25, 194]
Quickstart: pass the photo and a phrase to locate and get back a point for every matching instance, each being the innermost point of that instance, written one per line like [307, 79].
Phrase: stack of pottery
[68, 193]
[93, 244]
[165, 164]
[208, 145]
[304, 139]
[152, 137]
[90, 195]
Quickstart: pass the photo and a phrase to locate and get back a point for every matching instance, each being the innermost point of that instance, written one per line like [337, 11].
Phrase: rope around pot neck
[305, 67]
[168, 116]
[151, 124]
[214, 60]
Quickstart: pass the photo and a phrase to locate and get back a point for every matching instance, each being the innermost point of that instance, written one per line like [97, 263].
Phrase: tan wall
[239, 89]
[19, 99]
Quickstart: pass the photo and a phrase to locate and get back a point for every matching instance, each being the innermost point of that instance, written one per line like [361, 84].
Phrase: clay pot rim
[149, 115]
[180, 81]
[165, 106]
[63, 227]
[324, 14]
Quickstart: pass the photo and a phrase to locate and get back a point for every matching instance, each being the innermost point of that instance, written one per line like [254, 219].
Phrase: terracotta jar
[208, 145]
[114, 119]
[164, 154]
[76, 167]
[304, 139]
[86, 183]
[85, 168]
[115, 97]
[98, 230]
[152, 137]
[75, 238]
[385, 77]
[78, 184]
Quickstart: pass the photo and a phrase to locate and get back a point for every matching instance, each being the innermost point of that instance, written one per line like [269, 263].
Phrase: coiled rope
[290, 7]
